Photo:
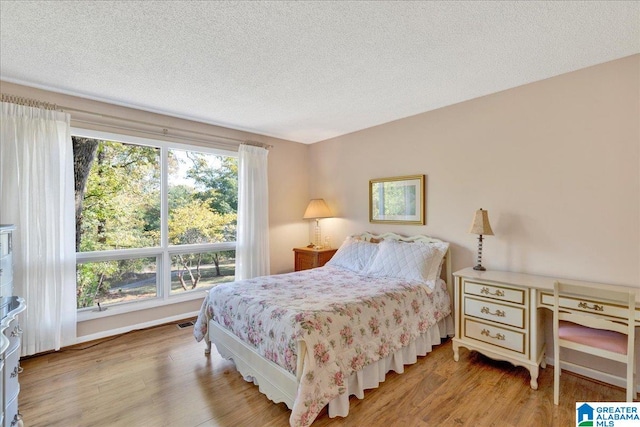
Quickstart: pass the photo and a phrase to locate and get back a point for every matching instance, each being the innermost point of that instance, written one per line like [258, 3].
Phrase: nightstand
[496, 315]
[306, 258]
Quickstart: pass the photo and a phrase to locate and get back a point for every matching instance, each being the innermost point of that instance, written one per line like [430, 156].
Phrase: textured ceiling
[304, 71]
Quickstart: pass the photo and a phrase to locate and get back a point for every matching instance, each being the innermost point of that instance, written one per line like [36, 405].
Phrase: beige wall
[288, 185]
[556, 163]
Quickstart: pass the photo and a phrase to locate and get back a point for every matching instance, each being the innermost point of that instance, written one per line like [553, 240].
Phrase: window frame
[164, 251]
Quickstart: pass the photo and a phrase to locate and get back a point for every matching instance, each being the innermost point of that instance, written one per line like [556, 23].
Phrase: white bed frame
[276, 383]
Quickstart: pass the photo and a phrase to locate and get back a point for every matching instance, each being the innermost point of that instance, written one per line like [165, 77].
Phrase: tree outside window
[119, 220]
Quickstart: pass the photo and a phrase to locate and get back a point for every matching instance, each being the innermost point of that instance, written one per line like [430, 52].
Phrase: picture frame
[397, 200]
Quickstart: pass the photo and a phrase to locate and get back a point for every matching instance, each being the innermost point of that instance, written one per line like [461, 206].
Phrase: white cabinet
[6, 260]
[11, 357]
[498, 319]
[499, 314]
[10, 333]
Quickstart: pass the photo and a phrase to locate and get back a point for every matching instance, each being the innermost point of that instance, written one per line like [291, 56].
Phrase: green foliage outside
[397, 200]
[119, 208]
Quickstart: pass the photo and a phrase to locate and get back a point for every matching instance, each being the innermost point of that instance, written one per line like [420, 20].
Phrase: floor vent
[186, 324]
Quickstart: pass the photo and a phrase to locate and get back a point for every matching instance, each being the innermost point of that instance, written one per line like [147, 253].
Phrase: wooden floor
[161, 377]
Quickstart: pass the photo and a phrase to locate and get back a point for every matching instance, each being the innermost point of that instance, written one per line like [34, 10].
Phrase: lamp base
[479, 268]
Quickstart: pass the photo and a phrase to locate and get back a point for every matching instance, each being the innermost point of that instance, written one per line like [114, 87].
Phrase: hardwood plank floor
[161, 377]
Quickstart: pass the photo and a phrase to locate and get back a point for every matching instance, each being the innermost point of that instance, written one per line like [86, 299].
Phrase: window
[154, 220]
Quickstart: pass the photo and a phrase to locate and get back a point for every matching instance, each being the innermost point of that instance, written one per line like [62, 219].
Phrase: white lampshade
[480, 224]
[317, 208]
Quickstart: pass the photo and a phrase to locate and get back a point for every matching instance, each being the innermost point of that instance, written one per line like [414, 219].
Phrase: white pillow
[354, 255]
[436, 266]
[415, 261]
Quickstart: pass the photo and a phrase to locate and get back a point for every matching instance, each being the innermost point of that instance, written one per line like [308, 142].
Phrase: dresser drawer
[11, 373]
[11, 416]
[5, 242]
[585, 305]
[495, 312]
[495, 335]
[13, 334]
[1, 391]
[305, 263]
[6, 290]
[501, 293]
[6, 270]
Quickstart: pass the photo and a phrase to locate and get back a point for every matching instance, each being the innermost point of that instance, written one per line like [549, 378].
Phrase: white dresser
[10, 359]
[6, 260]
[496, 315]
[10, 333]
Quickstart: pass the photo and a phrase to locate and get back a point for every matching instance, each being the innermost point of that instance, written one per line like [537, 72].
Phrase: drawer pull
[486, 291]
[595, 307]
[15, 371]
[497, 336]
[16, 419]
[17, 331]
[499, 313]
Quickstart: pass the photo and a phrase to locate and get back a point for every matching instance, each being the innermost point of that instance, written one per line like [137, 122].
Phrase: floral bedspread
[346, 321]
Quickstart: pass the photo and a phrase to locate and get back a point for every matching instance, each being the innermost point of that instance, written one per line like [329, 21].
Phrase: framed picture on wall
[397, 200]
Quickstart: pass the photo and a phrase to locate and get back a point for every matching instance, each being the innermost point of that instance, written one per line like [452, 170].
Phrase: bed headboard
[446, 274]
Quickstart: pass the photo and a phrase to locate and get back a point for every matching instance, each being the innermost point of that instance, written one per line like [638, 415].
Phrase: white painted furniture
[498, 314]
[10, 333]
[604, 326]
[6, 260]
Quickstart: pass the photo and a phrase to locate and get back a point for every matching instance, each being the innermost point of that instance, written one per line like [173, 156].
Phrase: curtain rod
[165, 131]
[27, 102]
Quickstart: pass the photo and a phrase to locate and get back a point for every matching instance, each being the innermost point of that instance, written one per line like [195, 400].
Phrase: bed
[313, 338]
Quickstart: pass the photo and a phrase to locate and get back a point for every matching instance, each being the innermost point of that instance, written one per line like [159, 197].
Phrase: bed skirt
[373, 374]
[281, 386]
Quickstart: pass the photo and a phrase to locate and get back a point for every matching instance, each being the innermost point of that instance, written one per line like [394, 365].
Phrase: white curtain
[37, 196]
[252, 252]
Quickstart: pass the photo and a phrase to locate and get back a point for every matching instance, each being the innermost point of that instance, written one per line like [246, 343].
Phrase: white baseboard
[129, 328]
[590, 373]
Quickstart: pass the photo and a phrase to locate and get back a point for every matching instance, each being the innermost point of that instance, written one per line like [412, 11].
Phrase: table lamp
[317, 209]
[481, 226]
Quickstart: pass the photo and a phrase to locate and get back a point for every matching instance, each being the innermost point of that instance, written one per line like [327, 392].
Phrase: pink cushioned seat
[605, 340]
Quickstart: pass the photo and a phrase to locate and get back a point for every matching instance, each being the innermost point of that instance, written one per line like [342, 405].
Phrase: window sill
[118, 309]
